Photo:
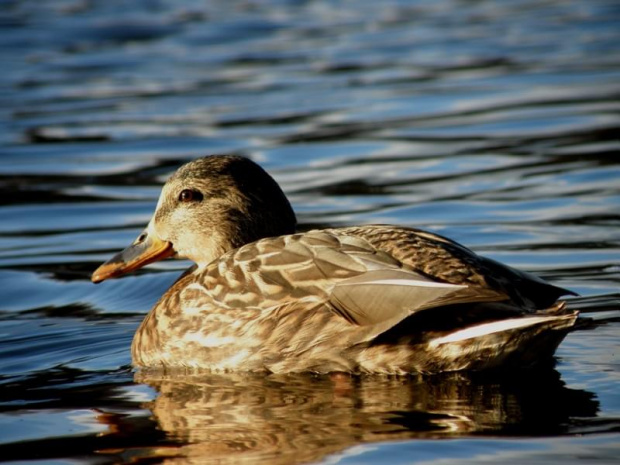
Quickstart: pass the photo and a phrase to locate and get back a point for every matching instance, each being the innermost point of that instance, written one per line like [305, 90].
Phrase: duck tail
[521, 341]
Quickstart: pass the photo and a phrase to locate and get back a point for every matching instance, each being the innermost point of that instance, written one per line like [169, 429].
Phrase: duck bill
[146, 249]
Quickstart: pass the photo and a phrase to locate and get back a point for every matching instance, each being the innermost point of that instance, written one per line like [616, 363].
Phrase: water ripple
[494, 123]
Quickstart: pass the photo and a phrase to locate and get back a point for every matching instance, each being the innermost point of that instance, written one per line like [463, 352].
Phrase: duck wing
[387, 295]
[348, 275]
[442, 259]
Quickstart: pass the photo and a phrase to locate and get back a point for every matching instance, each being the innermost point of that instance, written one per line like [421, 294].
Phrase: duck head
[208, 207]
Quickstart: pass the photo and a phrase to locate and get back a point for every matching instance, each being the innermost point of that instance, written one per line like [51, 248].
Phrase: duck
[381, 299]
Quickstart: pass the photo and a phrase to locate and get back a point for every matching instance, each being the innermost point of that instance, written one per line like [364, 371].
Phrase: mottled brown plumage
[377, 298]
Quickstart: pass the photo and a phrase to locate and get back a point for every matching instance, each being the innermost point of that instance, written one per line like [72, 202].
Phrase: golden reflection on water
[245, 418]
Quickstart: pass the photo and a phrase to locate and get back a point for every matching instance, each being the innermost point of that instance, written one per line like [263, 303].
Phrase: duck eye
[188, 195]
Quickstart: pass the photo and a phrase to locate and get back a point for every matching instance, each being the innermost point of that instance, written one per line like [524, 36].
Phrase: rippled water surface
[496, 123]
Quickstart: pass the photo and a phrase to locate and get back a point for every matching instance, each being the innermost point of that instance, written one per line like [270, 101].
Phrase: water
[494, 123]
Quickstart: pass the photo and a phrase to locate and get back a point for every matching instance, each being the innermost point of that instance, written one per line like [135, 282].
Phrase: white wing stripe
[405, 282]
[488, 328]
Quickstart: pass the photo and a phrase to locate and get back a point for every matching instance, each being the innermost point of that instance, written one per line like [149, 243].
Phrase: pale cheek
[199, 249]
[192, 239]
[174, 228]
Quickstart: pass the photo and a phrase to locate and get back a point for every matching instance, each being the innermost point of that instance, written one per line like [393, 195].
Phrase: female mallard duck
[378, 299]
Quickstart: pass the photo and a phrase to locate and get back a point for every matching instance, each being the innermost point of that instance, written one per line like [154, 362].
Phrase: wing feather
[378, 296]
[359, 283]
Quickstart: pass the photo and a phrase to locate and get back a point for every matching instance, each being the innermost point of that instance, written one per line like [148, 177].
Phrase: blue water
[496, 123]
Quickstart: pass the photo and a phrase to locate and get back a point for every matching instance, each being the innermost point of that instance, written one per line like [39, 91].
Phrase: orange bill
[144, 250]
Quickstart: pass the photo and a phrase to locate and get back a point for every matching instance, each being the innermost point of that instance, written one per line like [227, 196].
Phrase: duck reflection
[237, 418]
[290, 419]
